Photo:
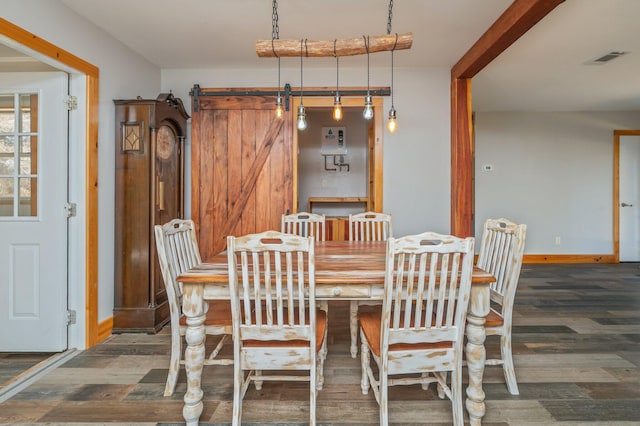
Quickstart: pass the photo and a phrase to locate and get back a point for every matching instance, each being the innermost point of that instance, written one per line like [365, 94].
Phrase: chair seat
[371, 322]
[494, 319]
[219, 313]
[321, 326]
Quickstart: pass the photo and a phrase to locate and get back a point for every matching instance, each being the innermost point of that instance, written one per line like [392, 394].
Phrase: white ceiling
[545, 70]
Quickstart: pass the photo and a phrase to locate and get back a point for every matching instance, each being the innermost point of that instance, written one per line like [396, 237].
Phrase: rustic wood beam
[516, 20]
[329, 48]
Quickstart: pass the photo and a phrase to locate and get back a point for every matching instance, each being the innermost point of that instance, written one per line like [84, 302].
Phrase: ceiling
[546, 70]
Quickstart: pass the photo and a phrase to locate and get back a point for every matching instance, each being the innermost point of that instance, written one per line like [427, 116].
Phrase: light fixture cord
[337, 65]
[393, 50]
[390, 17]
[301, 85]
[275, 35]
[366, 46]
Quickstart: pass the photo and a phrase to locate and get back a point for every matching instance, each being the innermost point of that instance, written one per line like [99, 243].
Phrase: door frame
[616, 188]
[59, 57]
[374, 186]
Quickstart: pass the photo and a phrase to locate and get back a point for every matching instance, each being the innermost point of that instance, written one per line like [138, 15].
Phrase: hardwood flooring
[576, 341]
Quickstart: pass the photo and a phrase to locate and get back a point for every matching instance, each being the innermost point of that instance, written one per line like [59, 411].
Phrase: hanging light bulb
[391, 124]
[337, 108]
[279, 107]
[368, 106]
[302, 116]
[337, 104]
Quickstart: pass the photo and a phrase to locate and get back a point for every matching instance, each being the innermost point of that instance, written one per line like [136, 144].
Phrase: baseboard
[104, 329]
[569, 258]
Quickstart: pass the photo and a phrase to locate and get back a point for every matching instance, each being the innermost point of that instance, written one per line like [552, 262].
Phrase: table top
[337, 262]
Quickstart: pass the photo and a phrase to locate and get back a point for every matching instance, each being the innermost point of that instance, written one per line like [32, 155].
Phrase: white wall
[552, 171]
[416, 179]
[123, 75]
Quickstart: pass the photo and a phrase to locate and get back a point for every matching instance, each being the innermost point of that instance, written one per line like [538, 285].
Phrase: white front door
[33, 221]
[629, 198]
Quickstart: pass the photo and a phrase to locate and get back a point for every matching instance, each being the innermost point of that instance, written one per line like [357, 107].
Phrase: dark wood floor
[577, 356]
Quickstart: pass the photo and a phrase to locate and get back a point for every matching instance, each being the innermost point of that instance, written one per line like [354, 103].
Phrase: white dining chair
[304, 224]
[417, 337]
[367, 226]
[272, 287]
[177, 250]
[500, 254]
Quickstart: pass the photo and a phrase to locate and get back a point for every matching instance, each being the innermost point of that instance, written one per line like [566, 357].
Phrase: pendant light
[279, 107]
[302, 117]
[392, 125]
[337, 104]
[368, 106]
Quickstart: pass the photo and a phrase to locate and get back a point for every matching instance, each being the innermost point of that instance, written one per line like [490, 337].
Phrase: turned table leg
[193, 308]
[475, 351]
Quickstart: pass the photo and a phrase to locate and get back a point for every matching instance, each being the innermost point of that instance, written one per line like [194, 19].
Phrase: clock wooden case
[149, 190]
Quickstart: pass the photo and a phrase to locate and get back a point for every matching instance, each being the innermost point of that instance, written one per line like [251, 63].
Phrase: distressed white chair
[272, 286]
[304, 224]
[178, 251]
[417, 337]
[368, 226]
[500, 254]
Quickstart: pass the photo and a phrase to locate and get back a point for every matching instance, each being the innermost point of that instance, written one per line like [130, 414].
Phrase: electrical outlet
[487, 167]
[557, 241]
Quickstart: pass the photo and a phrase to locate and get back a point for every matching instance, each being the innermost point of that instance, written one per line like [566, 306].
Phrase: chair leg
[238, 383]
[353, 327]
[312, 394]
[174, 363]
[364, 366]
[456, 397]
[384, 399]
[507, 366]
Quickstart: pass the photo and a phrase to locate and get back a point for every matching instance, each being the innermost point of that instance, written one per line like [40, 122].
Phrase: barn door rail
[197, 92]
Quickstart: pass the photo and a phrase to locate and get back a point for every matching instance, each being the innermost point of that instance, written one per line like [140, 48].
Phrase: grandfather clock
[149, 190]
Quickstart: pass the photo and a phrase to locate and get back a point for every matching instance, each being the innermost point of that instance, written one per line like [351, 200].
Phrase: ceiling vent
[607, 57]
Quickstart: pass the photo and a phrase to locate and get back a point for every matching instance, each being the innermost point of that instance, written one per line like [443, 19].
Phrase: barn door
[241, 168]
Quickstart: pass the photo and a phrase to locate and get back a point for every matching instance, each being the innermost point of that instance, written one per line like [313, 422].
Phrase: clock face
[166, 141]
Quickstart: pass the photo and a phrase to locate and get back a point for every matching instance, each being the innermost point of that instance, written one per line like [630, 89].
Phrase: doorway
[321, 181]
[626, 199]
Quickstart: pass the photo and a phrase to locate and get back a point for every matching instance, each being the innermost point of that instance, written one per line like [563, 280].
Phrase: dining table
[344, 270]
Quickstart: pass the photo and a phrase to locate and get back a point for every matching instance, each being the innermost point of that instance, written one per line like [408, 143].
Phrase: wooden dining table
[345, 270]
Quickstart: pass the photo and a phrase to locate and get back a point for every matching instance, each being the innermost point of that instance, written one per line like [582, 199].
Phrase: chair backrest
[304, 224]
[370, 226]
[272, 284]
[177, 249]
[427, 289]
[500, 254]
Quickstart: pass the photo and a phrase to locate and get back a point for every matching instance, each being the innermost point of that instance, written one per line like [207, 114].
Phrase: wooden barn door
[241, 168]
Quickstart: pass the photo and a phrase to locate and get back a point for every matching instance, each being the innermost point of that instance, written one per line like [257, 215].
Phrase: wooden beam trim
[516, 20]
[330, 48]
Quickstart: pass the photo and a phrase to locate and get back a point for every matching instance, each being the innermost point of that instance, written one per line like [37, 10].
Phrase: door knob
[626, 205]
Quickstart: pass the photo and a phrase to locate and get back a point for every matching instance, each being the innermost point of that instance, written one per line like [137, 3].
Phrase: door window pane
[18, 155]
[6, 197]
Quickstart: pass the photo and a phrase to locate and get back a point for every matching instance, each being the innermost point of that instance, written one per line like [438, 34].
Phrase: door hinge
[71, 317]
[70, 208]
[71, 102]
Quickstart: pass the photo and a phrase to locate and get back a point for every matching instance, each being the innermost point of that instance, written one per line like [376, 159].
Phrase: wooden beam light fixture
[276, 48]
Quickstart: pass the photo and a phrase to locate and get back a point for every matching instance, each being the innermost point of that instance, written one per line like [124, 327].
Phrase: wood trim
[516, 20]
[569, 258]
[375, 199]
[54, 52]
[104, 329]
[616, 188]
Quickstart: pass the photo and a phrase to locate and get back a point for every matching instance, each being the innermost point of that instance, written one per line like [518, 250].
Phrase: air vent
[607, 57]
